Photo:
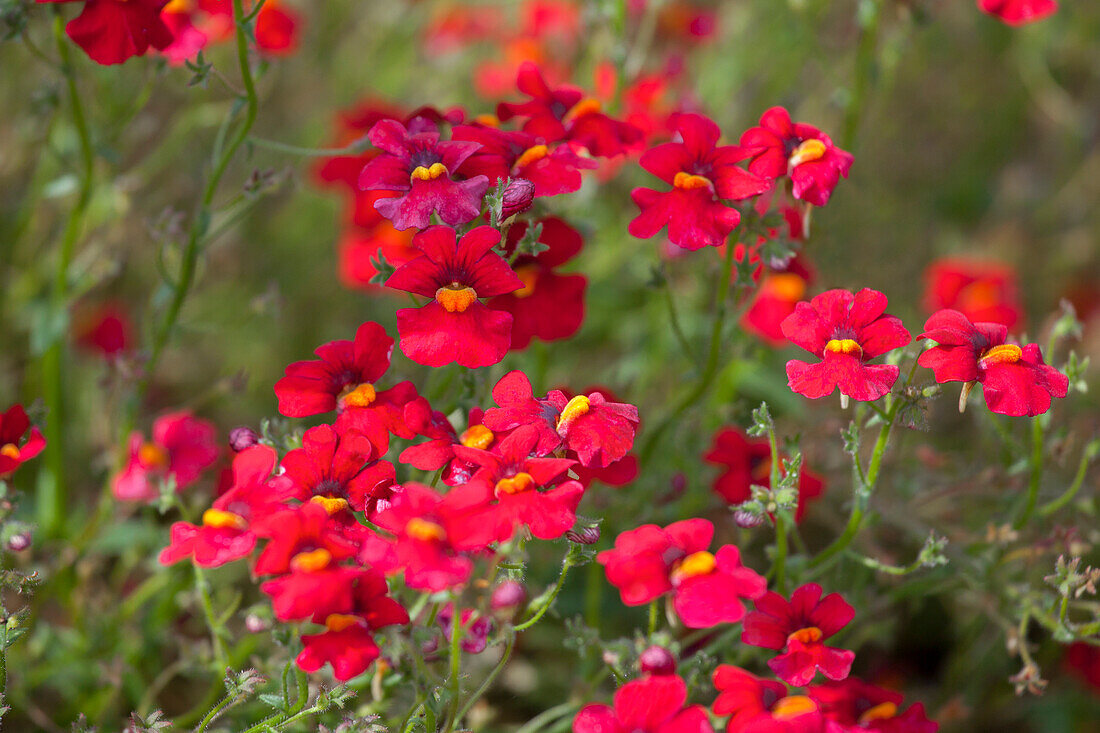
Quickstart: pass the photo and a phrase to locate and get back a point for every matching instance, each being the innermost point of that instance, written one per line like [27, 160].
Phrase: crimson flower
[439, 451]
[226, 530]
[554, 169]
[183, 446]
[981, 290]
[781, 148]
[14, 451]
[747, 461]
[652, 704]
[763, 706]
[1015, 380]
[846, 331]
[308, 592]
[649, 561]
[337, 471]
[800, 626]
[550, 305]
[419, 166]
[1018, 12]
[111, 31]
[301, 539]
[105, 328]
[599, 431]
[855, 705]
[702, 175]
[455, 326]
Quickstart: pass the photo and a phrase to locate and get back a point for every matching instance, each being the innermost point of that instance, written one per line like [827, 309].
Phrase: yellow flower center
[455, 298]
[529, 274]
[687, 181]
[221, 519]
[808, 635]
[340, 621]
[311, 561]
[807, 152]
[1002, 354]
[792, 707]
[587, 106]
[844, 346]
[362, 396]
[332, 504]
[477, 436]
[786, 285]
[428, 174]
[179, 6]
[488, 120]
[515, 485]
[11, 450]
[574, 408]
[422, 529]
[694, 565]
[152, 456]
[882, 711]
[531, 155]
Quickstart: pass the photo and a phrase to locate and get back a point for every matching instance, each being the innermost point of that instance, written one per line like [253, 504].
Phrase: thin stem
[1036, 472]
[541, 720]
[454, 682]
[869, 14]
[673, 315]
[1082, 468]
[214, 713]
[780, 552]
[295, 713]
[653, 613]
[354, 148]
[882, 567]
[565, 565]
[509, 645]
[211, 620]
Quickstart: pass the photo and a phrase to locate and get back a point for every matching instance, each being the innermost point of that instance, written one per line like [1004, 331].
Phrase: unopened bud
[255, 623]
[242, 438]
[507, 596]
[746, 519]
[517, 198]
[657, 660]
[584, 536]
[19, 542]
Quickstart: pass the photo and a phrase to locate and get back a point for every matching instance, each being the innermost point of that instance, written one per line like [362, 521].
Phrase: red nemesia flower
[337, 471]
[600, 432]
[554, 169]
[111, 31]
[1083, 661]
[549, 306]
[1015, 380]
[565, 113]
[439, 451]
[347, 642]
[301, 539]
[1018, 12]
[846, 331]
[183, 446]
[508, 481]
[702, 175]
[762, 706]
[14, 451]
[781, 148]
[855, 705]
[648, 562]
[616, 473]
[800, 626]
[455, 325]
[419, 166]
[747, 461]
[982, 291]
[652, 704]
[307, 592]
[226, 533]
[105, 328]
[358, 249]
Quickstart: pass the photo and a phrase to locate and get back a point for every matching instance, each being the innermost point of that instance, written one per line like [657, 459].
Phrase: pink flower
[183, 446]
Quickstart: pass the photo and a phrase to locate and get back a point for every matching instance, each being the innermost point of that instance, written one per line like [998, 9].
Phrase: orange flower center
[434, 171]
[515, 485]
[362, 396]
[808, 635]
[221, 519]
[311, 561]
[529, 274]
[687, 181]
[11, 450]
[694, 565]
[455, 298]
[807, 152]
[531, 155]
[587, 106]
[152, 456]
[488, 120]
[422, 529]
[340, 621]
[882, 711]
[1002, 354]
[786, 285]
[179, 6]
[792, 707]
[844, 346]
[332, 504]
[477, 436]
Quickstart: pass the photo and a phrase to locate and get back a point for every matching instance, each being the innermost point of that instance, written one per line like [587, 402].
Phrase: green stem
[1036, 472]
[882, 567]
[653, 613]
[780, 552]
[541, 720]
[214, 713]
[545, 606]
[509, 645]
[295, 713]
[455, 679]
[868, 17]
[1082, 468]
[674, 317]
[52, 488]
[354, 148]
[216, 630]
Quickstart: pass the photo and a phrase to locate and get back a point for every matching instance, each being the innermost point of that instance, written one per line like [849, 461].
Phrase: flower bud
[19, 542]
[746, 519]
[242, 438]
[256, 624]
[507, 596]
[517, 198]
[585, 536]
[657, 660]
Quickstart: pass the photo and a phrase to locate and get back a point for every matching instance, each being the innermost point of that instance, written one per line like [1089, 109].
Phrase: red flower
[616, 473]
[111, 31]
[858, 706]
[747, 461]
[600, 432]
[649, 561]
[549, 306]
[439, 451]
[419, 166]
[1015, 380]
[652, 704]
[183, 446]
[982, 291]
[301, 539]
[846, 331]
[702, 175]
[1018, 12]
[511, 480]
[1083, 661]
[514, 154]
[475, 631]
[14, 452]
[455, 325]
[762, 706]
[781, 148]
[226, 533]
[565, 113]
[358, 249]
[309, 592]
[801, 626]
[337, 471]
[105, 328]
